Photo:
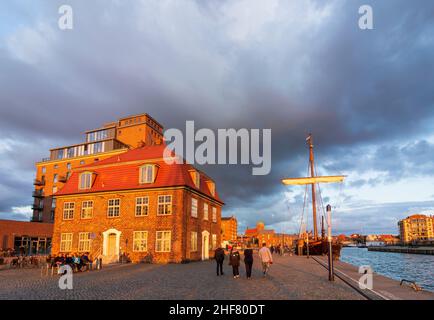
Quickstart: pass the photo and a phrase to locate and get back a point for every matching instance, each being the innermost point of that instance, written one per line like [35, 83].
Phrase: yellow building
[417, 227]
[229, 228]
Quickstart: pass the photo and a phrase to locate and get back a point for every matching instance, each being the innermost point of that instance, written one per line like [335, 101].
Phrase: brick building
[229, 229]
[111, 139]
[26, 237]
[259, 235]
[136, 203]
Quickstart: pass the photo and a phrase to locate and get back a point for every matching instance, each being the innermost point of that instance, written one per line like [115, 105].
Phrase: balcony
[37, 207]
[38, 194]
[38, 182]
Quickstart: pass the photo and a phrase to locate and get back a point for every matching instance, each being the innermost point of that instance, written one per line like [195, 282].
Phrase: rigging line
[304, 206]
[322, 208]
[288, 206]
[340, 197]
[339, 200]
[304, 201]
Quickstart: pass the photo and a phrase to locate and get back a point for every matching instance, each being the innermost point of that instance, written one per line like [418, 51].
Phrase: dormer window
[211, 187]
[148, 173]
[195, 176]
[85, 180]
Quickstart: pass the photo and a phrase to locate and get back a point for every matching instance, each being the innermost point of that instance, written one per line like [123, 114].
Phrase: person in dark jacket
[219, 256]
[248, 261]
[234, 261]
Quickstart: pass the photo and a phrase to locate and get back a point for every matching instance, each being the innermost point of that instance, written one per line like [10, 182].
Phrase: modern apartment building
[416, 228]
[111, 139]
[229, 229]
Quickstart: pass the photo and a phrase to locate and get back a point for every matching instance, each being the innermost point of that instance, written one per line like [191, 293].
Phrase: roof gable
[121, 172]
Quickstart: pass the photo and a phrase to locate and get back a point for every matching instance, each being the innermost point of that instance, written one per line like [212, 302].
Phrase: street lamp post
[329, 239]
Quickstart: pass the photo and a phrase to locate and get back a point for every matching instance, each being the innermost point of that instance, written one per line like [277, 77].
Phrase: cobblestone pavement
[289, 278]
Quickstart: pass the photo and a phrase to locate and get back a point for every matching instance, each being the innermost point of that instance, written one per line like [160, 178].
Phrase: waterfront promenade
[290, 278]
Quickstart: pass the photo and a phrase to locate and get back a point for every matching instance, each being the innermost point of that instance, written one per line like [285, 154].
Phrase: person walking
[266, 258]
[219, 256]
[248, 261]
[234, 261]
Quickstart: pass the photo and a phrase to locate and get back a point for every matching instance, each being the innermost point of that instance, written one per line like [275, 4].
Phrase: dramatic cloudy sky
[292, 66]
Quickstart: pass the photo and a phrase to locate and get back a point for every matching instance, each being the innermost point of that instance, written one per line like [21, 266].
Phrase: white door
[111, 248]
[111, 240]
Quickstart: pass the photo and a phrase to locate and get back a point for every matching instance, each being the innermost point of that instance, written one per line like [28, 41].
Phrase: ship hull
[319, 248]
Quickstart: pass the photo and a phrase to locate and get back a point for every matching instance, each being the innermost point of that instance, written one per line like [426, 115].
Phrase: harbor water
[398, 266]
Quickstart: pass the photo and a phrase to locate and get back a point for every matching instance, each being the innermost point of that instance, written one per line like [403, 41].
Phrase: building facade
[27, 238]
[229, 229]
[111, 139]
[259, 235]
[135, 203]
[416, 228]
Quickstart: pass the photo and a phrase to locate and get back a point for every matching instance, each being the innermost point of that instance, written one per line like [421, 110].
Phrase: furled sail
[312, 180]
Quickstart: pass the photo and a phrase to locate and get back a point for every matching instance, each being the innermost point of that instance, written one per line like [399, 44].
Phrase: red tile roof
[387, 236]
[121, 172]
[417, 216]
[251, 231]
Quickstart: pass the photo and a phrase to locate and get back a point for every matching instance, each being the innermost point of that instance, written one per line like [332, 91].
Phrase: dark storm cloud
[395, 162]
[295, 67]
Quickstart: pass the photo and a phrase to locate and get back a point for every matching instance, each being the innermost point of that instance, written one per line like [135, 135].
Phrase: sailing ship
[315, 244]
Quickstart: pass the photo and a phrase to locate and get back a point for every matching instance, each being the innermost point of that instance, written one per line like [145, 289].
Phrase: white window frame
[147, 173]
[214, 214]
[140, 241]
[197, 180]
[84, 242]
[165, 205]
[85, 208]
[66, 242]
[85, 181]
[113, 207]
[214, 241]
[211, 187]
[193, 241]
[194, 205]
[142, 208]
[163, 241]
[195, 176]
[68, 210]
[205, 211]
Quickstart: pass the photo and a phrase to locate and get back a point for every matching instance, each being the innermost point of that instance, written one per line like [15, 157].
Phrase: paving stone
[289, 278]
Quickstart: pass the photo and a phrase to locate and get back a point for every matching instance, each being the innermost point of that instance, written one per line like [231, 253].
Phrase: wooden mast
[312, 174]
[312, 180]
